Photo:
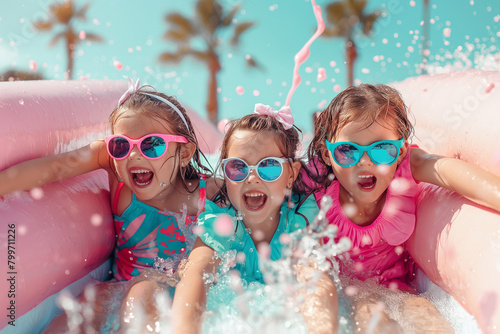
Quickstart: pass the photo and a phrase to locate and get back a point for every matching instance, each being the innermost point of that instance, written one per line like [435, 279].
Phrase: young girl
[157, 190]
[374, 193]
[260, 168]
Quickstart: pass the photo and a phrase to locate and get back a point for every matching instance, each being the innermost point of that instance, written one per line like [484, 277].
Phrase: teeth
[254, 194]
[141, 171]
[365, 176]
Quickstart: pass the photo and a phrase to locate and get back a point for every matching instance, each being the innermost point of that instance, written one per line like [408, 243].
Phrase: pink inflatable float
[457, 243]
[60, 234]
[54, 236]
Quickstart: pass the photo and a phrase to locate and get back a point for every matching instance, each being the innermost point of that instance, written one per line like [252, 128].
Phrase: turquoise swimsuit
[241, 241]
[148, 237]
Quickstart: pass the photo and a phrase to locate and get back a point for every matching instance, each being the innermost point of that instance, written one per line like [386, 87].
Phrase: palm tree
[64, 13]
[209, 21]
[344, 16]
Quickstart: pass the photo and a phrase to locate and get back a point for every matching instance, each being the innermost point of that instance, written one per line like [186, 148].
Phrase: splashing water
[235, 305]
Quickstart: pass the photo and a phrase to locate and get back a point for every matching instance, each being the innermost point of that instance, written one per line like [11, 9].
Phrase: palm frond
[63, 12]
[335, 12]
[56, 38]
[81, 14]
[369, 21]
[357, 6]
[228, 19]
[94, 37]
[181, 23]
[239, 29]
[43, 26]
[209, 12]
[167, 57]
[177, 36]
[200, 55]
[332, 32]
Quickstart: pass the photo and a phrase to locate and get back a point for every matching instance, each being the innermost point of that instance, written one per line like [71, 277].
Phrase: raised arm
[320, 307]
[464, 178]
[38, 172]
[190, 297]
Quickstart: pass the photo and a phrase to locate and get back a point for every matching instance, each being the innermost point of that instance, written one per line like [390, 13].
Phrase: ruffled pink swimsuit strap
[395, 223]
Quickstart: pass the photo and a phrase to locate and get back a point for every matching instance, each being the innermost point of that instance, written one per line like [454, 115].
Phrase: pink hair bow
[284, 115]
[132, 88]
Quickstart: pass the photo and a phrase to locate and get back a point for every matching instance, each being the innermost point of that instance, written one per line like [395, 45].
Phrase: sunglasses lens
[384, 153]
[153, 146]
[118, 147]
[236, 170]
[269, 169]
[346, 155]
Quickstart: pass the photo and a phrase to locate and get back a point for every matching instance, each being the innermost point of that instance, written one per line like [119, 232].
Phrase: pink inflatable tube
[62, 232]
[457, 243]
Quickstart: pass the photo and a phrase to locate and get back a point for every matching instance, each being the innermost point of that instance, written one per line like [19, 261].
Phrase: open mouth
[142, 177]
[254, 200]
[366, 182]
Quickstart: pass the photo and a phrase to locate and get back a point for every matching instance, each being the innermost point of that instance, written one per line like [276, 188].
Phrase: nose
[135, 153]
[365, 160]
[252, 177]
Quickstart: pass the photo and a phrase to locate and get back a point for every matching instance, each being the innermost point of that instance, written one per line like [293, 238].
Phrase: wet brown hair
[151, 107]
[288, 142]
[364, 103]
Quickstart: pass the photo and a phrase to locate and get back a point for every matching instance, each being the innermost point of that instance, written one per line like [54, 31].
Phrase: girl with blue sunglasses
[361, 157]
[263, 193]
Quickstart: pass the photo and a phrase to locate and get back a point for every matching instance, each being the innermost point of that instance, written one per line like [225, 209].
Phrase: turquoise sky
[464, 34]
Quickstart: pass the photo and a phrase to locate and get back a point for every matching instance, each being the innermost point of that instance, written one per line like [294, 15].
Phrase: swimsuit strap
[117, 194]
[203, 194]
[201, 201]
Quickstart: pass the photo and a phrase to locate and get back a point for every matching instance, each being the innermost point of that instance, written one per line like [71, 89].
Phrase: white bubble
[96, 219]
[36, 193]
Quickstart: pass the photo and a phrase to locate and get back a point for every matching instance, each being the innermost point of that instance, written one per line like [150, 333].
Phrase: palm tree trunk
[212, 105]
[351, 55]
[69, 53]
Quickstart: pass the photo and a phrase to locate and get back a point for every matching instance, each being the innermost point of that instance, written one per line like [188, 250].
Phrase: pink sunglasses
[152, 146]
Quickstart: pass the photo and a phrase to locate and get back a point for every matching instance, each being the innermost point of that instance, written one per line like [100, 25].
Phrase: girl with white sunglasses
[266, 201]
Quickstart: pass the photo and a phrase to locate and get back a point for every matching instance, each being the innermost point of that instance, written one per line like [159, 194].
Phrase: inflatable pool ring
[60, 233]
[457, 243]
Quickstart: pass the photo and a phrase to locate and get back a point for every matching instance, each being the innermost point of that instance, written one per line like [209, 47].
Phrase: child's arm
[466, 179]
[190, 294]
[38, 172]
[320, 308]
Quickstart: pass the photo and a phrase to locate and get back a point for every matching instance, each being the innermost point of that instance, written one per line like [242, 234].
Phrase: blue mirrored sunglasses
[269, 169]
[347, 154]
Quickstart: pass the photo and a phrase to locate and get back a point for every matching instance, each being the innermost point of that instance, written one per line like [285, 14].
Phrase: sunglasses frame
[397, 143]
[255, 167]
[138, 142]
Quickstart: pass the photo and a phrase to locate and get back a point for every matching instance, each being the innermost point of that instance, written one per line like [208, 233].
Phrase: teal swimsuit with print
[241, 240]
[146, 235]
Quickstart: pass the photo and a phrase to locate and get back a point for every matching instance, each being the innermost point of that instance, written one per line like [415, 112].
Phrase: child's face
[257, 200]
[150, 180]
[365, 182]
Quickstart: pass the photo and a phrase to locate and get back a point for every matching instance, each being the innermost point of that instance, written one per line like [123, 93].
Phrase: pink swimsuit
[377, 249]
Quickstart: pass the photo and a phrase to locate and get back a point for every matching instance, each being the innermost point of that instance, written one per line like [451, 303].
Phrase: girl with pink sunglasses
[158, 188]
